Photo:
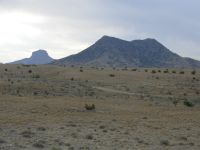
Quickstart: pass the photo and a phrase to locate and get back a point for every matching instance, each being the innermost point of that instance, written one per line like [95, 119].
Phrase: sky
[65, 27]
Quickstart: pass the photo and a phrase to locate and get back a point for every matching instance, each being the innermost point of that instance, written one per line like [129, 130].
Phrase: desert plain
[43, 107]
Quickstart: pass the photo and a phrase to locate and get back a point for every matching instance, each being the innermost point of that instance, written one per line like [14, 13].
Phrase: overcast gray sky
[65, 27]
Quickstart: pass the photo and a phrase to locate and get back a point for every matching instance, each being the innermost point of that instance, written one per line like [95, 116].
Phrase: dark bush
[174, 71]
[89, 107]
[164, 142]
[111, 75]
[175, 102]
[188, 103]
[36, 76]
[166, 71]
[134, 69]
[193, 72]
[89, 137]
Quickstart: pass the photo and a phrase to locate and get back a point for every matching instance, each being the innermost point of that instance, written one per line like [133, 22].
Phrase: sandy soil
[134, 109]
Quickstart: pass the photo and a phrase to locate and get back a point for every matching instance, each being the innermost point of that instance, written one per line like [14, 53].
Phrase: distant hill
[114, 52]
[38, 57]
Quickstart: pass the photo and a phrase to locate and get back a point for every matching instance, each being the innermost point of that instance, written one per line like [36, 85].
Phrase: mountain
[38, 57]
[114, 52]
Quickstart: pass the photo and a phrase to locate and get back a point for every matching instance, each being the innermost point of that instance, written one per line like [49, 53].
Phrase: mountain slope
[113, 52]
[38, 57]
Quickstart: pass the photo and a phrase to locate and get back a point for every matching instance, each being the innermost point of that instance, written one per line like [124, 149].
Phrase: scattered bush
[89, 137]
[193, 72]
[35, 93]
[26, 65]
[6, 70]
[175, 102]
[164, 142]
[111, 75]
[169, 93]
[174, 71]
[134, 69]
[146, 70]
[166, 71]
[36, 76]
[159, 71]
[30, 71]
[102, 127]
[81, 70]
[41, 129]
[89, 107]
[188, 103]
[2, 141]
[27, 134]
[181, 72]
[39, 144]
[153, 71]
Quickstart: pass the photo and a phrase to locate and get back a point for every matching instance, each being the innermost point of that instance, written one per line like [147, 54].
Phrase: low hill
[38, 57]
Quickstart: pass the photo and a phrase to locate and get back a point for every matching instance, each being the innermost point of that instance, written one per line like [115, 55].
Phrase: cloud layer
[65, 27]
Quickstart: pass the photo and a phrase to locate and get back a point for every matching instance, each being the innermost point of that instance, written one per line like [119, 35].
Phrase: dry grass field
[43, 107]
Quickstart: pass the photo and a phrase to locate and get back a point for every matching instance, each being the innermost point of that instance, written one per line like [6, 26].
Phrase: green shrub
[188, 103]
[181, 72]
[153, 71]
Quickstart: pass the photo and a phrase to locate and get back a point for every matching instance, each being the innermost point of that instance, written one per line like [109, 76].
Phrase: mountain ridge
[115, 52]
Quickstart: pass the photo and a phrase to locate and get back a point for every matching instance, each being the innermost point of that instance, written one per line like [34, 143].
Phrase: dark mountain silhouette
[114, 52]
[38, 57]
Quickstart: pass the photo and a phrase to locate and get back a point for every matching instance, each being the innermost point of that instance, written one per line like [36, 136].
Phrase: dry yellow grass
[134, 109]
